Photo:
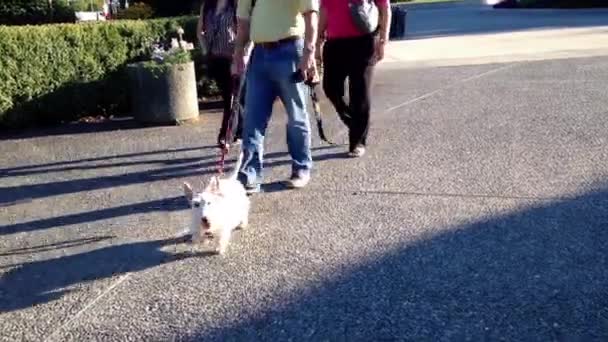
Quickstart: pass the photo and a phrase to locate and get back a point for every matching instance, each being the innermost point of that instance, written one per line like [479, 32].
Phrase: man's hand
[308, 65]
[240, 56]
[239, 61]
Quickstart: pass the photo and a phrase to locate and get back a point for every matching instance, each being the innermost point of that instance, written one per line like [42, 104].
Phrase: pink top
[339, 22]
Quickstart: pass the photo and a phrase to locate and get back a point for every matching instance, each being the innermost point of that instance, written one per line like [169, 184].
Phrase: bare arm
[243, 24]
[243, 39]
[322, 30]
[384, 23]
[311, 20]
[242, 43]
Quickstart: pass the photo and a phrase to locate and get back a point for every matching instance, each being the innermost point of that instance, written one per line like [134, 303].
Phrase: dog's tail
[237, 167]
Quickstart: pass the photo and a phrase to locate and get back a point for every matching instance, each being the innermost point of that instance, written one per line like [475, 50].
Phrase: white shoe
[358, 152]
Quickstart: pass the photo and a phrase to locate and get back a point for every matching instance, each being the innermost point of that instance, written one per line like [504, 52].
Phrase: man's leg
[294, 95]
[261, 94]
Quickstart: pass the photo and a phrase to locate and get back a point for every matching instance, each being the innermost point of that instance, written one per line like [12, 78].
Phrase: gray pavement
[467, 32]
[473, 17]
[479, 213]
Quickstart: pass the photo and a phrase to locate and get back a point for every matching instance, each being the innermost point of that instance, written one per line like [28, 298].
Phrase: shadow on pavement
[70, 165]
[165, 204]
[535, 274]
[11, 195]
[54, 246]
[15, 194]
[44, 281]
[69, 129]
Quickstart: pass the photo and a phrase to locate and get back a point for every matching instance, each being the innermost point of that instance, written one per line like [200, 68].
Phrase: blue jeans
[270, 74]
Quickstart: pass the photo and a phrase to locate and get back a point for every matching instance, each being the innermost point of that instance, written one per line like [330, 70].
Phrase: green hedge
[85, 5]
[22, 12]
[61, 72]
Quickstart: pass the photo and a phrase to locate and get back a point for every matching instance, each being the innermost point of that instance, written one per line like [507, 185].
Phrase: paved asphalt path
[479, 213]
[471, 17]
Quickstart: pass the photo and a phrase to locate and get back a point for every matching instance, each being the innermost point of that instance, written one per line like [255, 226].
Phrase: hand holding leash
[312, 83]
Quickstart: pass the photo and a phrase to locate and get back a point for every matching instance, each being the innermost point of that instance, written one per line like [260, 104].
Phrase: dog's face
[206, 205]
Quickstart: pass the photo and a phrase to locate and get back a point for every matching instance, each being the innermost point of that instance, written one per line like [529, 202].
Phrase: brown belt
[276, 44]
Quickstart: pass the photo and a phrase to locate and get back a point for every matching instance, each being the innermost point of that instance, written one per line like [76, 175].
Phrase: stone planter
[163, 94]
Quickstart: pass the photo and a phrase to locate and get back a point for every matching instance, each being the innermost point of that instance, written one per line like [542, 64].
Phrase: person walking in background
[283, 33]
[346, 51]
[216, 32]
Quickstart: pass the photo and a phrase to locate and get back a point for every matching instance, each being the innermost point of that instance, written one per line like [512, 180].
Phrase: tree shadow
[40, 282]
[187, 167]
[35, 171]
[53, 246]
[536, 274]
[50, 167]
[67, 129]
[19, 193]
[166, 204]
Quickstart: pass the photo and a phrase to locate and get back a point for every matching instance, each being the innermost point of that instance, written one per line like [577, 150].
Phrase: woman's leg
[359, 79]
[223, 77]
[334, 76]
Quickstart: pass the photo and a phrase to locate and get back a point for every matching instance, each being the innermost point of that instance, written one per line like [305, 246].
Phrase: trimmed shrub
[165, 8]
[138, 10]
[87, 5]
[55, 73]
[22, 12]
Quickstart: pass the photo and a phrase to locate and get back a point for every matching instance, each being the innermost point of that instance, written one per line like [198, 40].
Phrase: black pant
[219, 70]
[350, 57]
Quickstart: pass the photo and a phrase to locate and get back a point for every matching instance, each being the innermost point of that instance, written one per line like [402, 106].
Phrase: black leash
[237, 108]
[317, 109]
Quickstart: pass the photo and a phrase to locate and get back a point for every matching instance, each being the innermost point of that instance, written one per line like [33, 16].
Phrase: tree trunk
[51, 10]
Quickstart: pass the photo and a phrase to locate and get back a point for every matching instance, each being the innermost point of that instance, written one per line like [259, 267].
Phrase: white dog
[222, 207]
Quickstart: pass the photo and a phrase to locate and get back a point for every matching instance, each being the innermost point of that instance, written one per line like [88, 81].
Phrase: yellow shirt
[273, 20]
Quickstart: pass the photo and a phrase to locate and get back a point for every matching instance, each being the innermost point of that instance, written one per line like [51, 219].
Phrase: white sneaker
[298, 180]
[359, 151]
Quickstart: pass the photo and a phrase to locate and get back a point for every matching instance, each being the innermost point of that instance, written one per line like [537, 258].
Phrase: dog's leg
[245, 221]
[196, 237]
[224, 240]
[245, 216]
[195, 229]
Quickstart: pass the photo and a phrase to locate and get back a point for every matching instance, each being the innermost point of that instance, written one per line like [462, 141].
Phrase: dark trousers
[350, 57]
[219, 70]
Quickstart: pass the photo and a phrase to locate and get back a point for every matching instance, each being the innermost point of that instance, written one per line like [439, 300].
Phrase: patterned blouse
[220, 32]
